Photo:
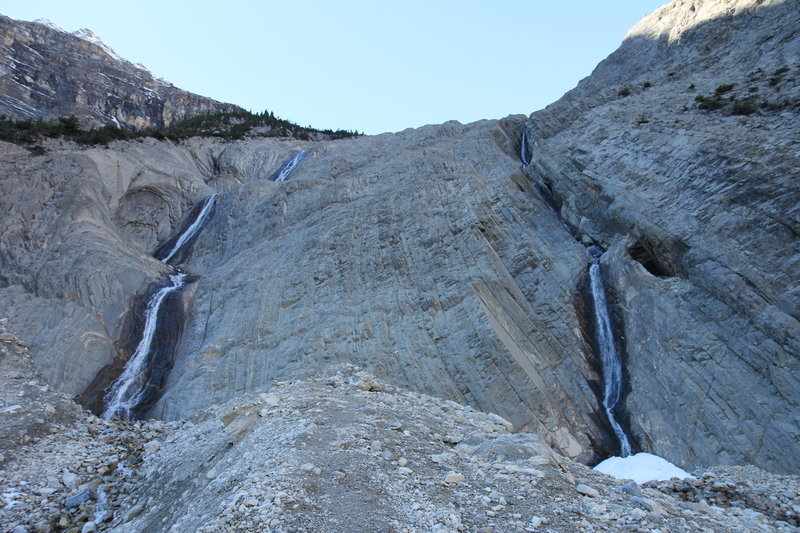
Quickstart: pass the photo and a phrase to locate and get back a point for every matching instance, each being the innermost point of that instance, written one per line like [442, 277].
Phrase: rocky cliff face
[701, 212]
[430, 258]
[47, 73]
[441, 272]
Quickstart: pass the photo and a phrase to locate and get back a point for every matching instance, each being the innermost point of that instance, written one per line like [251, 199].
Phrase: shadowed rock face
[701, 212]
[47, 73]
[431, 259]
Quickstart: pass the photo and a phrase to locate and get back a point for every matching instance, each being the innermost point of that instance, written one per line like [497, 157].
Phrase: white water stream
[126, 391]
[289, 166]
[208, 205]
[523, 149]
[609, 357]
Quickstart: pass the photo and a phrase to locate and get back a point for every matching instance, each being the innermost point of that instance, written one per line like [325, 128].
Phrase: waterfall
[523, 149]
[609, 357]
[604, 335]
[128, 389]
[289, 166]
[194, 227]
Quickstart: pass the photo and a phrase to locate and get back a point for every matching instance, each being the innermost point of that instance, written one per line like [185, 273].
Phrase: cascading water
[128, 389]
[289, 166]
[609, 357]
[194, 227]
[523, 149]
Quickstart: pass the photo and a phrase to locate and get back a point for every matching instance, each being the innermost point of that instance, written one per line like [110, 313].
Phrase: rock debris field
[346, 452]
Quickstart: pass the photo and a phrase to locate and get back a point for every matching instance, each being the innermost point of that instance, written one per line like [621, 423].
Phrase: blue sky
[371, 66]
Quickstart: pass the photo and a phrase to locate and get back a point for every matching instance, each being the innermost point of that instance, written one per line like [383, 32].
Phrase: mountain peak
[47, 72]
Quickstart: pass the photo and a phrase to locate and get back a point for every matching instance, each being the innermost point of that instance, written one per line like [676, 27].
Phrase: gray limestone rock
[701, 211]
[78, 498]
[49, 73]
[422, 256]
[430, 259]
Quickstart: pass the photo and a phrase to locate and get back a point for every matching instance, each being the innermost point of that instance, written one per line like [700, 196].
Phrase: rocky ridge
[46, 73]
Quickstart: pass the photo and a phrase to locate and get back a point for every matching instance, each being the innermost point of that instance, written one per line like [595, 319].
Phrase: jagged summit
[47, 72]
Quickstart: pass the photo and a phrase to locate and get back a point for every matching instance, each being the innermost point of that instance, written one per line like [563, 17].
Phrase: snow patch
[641, 467]
[89, 36]
[50, 24]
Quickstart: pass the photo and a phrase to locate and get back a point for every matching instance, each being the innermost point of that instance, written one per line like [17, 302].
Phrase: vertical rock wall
[701, 210]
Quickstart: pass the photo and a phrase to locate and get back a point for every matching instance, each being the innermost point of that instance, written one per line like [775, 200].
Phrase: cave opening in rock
[645, 257]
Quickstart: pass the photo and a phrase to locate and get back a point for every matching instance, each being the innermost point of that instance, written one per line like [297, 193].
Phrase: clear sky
[371, 66]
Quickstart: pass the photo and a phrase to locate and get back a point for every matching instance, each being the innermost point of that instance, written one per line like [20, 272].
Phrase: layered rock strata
[442, 266]
[47, 73]
[701, 211]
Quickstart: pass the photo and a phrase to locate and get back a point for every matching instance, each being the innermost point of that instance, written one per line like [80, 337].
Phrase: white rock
[152, 447]
[270, 400]
[586, 490]
[70, 480]
[497, 419]
[453, 477]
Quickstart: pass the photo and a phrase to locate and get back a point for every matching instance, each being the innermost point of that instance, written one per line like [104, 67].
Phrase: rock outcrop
[698, 201]
[48, 73]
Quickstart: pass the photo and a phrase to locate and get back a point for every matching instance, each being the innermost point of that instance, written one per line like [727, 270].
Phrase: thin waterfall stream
[283, 172]
[127, 390]
[610, 359]
[523, 149]
[609, 356]
[130, 389]
[208, 205]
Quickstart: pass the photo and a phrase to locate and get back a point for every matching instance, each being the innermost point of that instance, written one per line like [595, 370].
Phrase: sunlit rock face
[700, 209]
[49, 73]
[431, 258]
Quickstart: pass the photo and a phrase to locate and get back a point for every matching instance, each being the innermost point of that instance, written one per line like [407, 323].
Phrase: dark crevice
[645, 256]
